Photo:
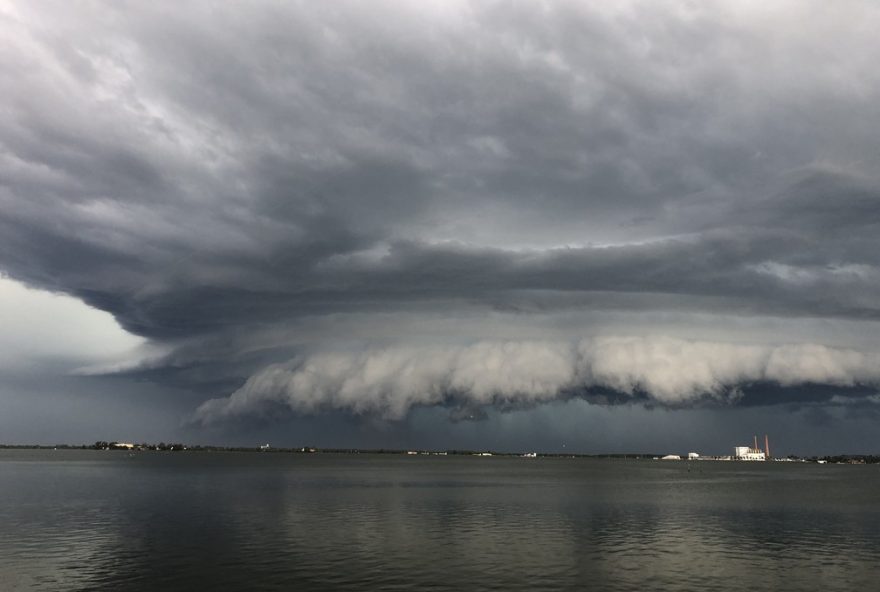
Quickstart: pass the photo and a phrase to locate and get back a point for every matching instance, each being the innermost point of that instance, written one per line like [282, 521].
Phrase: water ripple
[93, 521]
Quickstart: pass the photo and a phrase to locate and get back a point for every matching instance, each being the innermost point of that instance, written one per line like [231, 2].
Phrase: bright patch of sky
[42, 329]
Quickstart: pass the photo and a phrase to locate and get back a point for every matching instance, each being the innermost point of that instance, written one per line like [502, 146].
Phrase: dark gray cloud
[247, 187]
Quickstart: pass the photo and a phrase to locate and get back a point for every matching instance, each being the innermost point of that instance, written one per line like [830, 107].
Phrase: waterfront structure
[753, 452]
[748, 453]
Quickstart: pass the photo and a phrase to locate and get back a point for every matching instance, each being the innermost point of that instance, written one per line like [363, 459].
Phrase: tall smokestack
[767, 446]
[756, 444]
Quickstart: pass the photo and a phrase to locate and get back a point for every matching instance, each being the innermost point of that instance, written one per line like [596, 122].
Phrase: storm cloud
[391, 381]
[371, 207]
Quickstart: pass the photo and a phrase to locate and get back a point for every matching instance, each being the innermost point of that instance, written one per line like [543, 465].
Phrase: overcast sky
[599, 226]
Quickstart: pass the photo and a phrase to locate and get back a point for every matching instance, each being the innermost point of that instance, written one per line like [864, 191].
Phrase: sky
[555, 226]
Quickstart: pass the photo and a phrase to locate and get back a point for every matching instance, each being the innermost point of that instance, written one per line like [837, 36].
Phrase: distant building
[671, 457]
[693, 455]
[748, 453]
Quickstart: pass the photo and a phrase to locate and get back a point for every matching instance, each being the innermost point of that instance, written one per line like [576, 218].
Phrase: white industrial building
[748, 453]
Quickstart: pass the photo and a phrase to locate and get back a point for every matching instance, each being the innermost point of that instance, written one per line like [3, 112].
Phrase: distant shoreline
[162, 447]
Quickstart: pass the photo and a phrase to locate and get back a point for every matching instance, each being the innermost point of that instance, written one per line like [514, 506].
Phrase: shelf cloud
[673, 372]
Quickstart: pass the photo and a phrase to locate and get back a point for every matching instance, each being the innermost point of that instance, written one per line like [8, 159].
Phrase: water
[84, 520]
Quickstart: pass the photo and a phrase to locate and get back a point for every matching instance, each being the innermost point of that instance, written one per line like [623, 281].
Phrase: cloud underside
[671, 372]
[271, 193]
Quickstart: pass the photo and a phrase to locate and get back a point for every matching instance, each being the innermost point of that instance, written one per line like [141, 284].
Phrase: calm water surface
[84, 520]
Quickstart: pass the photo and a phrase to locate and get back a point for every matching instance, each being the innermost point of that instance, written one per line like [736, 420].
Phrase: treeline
[176, 447]
[850, 459]
[102, 445]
